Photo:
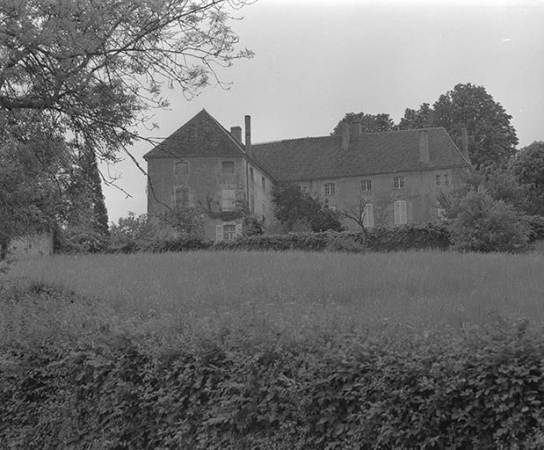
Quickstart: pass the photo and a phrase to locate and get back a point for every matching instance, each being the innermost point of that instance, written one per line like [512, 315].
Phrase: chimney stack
[345, 135]
[464, 139]
[424, 146]
[236, 133]
[357, 129]
[248, 136]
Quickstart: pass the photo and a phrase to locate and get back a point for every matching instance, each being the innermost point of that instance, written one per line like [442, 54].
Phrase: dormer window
[227, 167]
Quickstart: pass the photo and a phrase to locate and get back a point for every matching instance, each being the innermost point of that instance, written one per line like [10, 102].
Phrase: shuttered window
[400, 212]
[368, 215]
[228, 199]
[181, 196]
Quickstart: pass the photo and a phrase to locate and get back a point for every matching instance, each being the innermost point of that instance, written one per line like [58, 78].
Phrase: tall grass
[286, 293]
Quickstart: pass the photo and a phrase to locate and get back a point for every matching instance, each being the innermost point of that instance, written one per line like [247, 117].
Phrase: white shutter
[218, 233]
[369, 215]
[238, 229]
[403, 218]
[396, 207]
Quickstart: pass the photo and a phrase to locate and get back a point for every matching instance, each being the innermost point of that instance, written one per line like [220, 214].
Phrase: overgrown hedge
[379, 239]
[484, 392]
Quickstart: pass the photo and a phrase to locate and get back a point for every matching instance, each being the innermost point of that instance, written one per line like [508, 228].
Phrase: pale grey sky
[316, 60]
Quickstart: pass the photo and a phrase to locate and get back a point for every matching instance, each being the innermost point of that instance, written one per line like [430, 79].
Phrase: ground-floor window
[368, 215]
[227, 232]
[400, 212]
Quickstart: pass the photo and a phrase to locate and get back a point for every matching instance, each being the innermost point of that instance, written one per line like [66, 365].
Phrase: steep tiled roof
[371, 153]
[201, 136]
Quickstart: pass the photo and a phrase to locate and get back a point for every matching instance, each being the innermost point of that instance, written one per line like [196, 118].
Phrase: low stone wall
[31, 246]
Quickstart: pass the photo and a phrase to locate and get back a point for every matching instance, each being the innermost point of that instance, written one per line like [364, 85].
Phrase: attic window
[227, 167]
[181, 169]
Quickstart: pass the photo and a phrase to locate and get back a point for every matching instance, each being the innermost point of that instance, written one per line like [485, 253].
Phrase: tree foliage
[416, 119]
[369, 122]
[78, 76]
[92, 66]
[298, 210]
[528, 167]
[492, 136]
[478, 222]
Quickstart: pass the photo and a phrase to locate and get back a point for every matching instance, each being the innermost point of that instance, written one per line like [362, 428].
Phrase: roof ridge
[336, 136]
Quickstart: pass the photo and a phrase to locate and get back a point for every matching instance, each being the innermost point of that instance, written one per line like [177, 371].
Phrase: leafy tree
[93, 66]
[369, 122]
[416, 119]
[478, 222]
[293, 208]
[528, 167]
[493, 138]
[132, 233]
[81, 75]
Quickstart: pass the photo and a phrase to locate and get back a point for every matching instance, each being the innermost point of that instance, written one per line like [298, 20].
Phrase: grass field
[286, 294]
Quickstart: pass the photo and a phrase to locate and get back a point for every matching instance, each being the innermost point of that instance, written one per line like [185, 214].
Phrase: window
[181, 197]
[443, 179]
[400, 212]
[399, 182]
[181, 170]
[228, 199]
[366, 185]
[227, 167]
[251, 202]
[263, 182]
[330, 189]
[251, 174]
[368, 215]
[227, 232]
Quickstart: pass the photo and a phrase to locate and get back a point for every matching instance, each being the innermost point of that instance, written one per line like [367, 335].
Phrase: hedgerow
[379, 239]
[482, 391]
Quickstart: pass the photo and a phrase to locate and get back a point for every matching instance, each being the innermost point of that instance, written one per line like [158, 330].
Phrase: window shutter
[396, 207]
[218, 233]
[238, 229]
[403, 218]
[369, 215]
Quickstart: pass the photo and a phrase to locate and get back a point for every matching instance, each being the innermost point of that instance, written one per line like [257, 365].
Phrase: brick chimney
[345, 135]
[424, 146]
[464, 140]
[248, 136]
[236, 133]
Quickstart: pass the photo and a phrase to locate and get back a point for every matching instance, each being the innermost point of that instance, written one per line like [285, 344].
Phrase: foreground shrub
[482, 392]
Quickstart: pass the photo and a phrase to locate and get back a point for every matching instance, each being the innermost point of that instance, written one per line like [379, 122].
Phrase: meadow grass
[286, 293]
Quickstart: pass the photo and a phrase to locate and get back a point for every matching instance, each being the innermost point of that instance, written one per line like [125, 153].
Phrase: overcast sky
[316, 60]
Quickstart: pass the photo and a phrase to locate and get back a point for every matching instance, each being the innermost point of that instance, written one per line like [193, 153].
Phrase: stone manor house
[390, 178]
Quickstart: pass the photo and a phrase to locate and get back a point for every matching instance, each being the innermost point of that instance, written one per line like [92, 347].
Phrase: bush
[379, 239]
[536, 225]
[484, 391]
[480, 223]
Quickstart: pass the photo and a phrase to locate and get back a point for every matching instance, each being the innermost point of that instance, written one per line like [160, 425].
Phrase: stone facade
[388, 178]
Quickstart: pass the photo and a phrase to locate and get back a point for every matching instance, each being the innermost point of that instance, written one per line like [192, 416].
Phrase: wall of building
[260, 195]
[420, 193]
[207, 184]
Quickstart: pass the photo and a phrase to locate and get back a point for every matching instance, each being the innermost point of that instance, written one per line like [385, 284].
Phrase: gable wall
[205, 182]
